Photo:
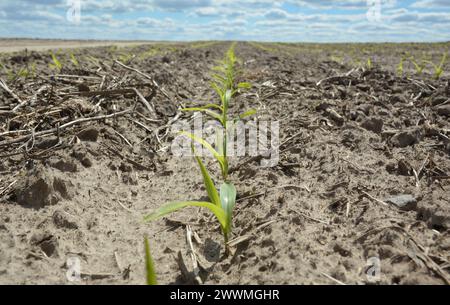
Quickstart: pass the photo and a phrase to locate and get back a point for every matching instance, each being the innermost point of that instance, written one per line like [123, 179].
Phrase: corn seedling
[56, 63]
[126, 58]
[438, 69]
[25, 72]
[149, 264]
[400, 66]
[418, 66]
[221, 202]
[338, 59]
[74, 60]
[150, 53]
[369, 64]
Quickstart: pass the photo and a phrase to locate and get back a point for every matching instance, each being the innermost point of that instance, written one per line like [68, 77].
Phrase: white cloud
[431, 4]
[276, 20]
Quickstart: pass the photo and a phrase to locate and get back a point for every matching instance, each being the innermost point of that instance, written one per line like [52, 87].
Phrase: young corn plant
[221, 202]
[126, 58]
[74, 60]
[419, 66]
[57, 65]
[369, 64]
[400, 66]
[438, 69]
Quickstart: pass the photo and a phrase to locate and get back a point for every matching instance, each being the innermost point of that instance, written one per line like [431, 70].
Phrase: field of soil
[360, 194]
[17, 45]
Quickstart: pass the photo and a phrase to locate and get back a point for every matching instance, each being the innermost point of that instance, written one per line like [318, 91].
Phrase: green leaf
[74, 60]
[228, 201]
[211, 113]
[220, 92]
[226, 100]
[219, 78]
[149, 265]
[209, 184]
[202, 107]
[56, 62]
[248, 113]
[175, 206]
[220, 68]
[244, 85]
[220, 158]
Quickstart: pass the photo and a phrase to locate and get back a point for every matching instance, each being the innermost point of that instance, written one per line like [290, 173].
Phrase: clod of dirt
[165, 59]
[397, 98]
[46, 143]
[444, 110]
[435, 211]
[86, 162]
[64, 220]
[373, 124]
[80, 153]
[63, 164]
[89, 134]
[46, 242]
[406, 138]
[2, 225]
[126, 168]
[404, 202]
[83, 87]
[41, 189]
[404, 168]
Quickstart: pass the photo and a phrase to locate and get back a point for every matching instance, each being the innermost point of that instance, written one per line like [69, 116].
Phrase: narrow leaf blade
[209, 184]
[208, 146]
[175, 206]
[149, 265]
[244, 85]
[248, 113]
[208, 106]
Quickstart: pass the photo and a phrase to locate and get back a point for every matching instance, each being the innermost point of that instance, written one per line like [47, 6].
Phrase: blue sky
[261, 20]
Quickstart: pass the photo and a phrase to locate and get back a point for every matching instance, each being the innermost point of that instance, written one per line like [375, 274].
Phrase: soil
[364, 170]
[17, 45]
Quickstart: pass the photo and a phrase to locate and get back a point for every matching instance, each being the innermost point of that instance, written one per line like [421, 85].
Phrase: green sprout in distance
[438, 69]
[56, 63]
[74, 60]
